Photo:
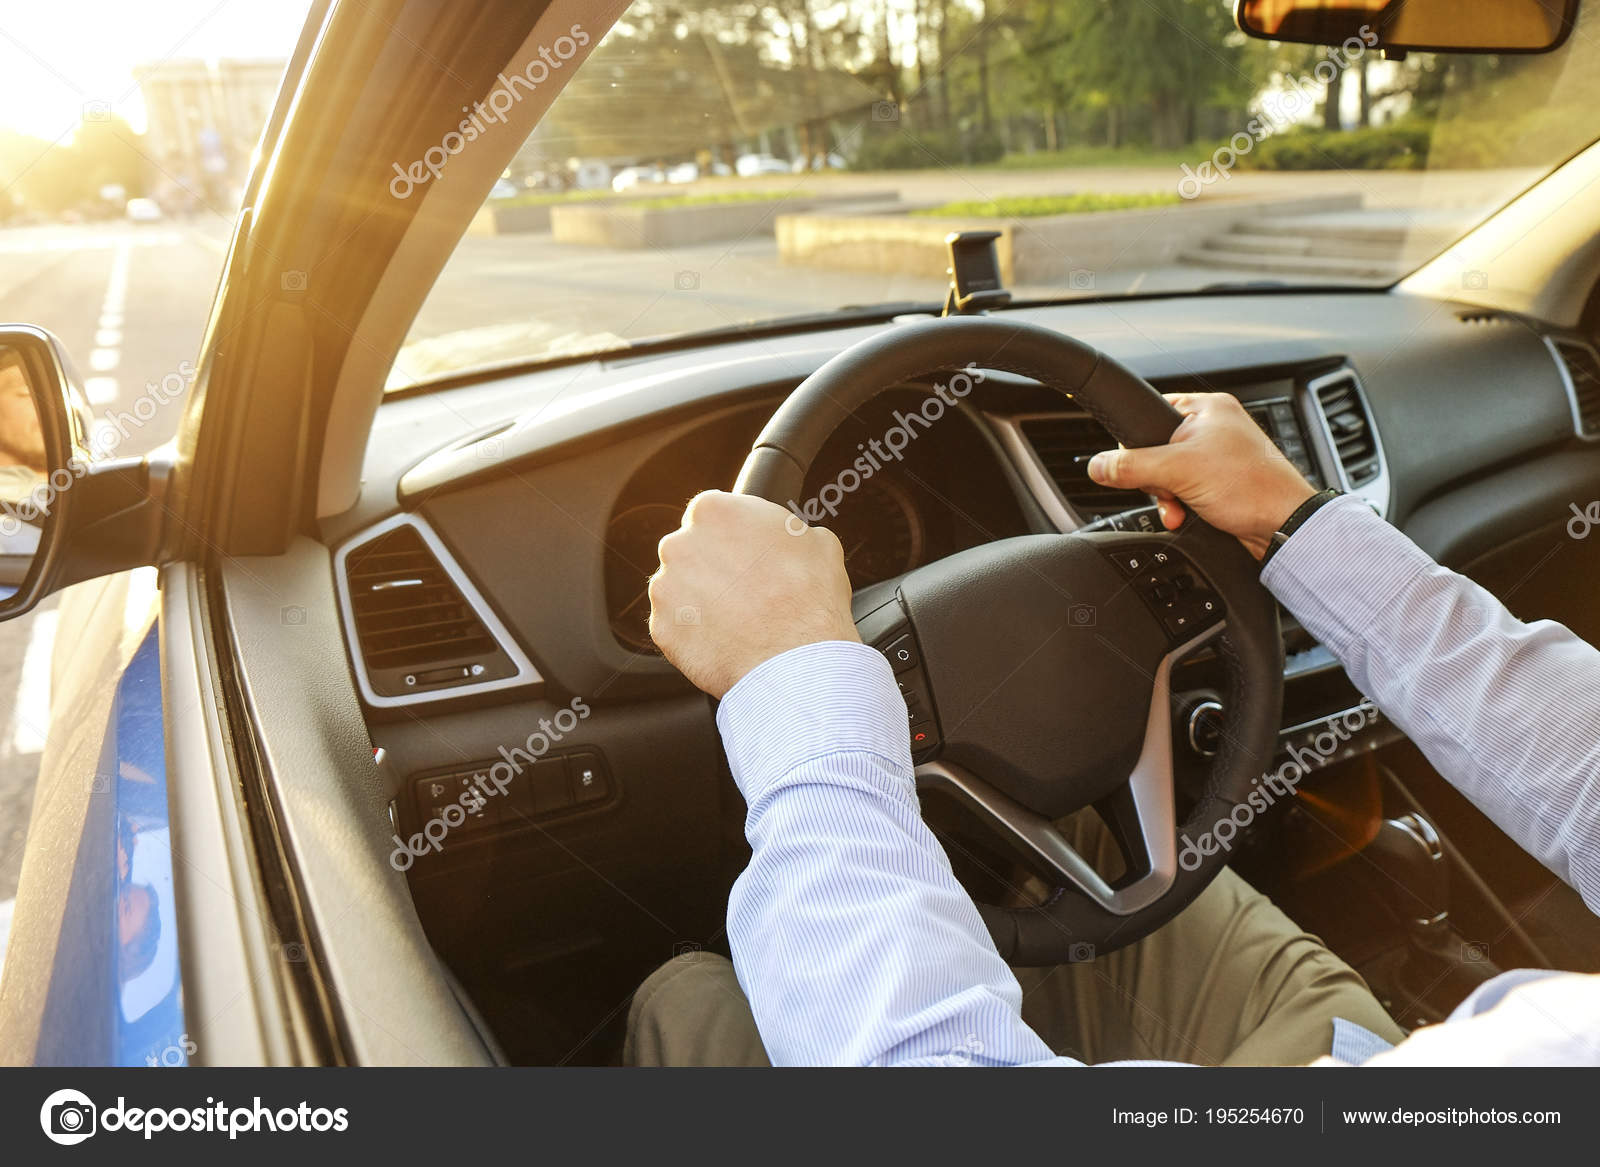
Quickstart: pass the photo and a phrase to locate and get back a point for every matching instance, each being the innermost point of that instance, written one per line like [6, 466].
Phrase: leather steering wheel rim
[1248, 642]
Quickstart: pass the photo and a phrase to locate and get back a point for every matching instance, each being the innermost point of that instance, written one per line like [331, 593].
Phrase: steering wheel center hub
[1043, 658]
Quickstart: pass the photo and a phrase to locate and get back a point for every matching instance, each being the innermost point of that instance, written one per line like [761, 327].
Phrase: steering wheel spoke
[1141, 813]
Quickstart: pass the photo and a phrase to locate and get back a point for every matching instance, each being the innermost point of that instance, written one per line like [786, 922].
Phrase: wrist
[1278, 511]
[752, 658]
[1296, 520]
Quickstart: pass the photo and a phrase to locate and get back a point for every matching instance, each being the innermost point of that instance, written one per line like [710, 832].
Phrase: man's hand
[1220, 463]
[741, 581]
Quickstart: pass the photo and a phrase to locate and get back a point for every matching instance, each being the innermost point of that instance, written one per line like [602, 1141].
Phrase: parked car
[143, 211]
[635, 176]
[749, 165]
[589, 174]
[819, 162]
[683, 172]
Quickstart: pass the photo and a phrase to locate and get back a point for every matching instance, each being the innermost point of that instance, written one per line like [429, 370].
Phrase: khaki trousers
[1229, 981]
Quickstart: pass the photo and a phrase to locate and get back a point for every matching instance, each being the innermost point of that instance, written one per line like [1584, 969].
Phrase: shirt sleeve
[851, 936]
[1506, 710]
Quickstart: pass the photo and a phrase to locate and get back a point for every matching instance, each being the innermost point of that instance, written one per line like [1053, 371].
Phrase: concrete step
[1364, 226]
[1329, 247]
[1353, 267]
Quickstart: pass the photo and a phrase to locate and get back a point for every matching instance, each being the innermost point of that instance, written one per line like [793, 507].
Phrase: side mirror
[1401, 26]
[64, 516]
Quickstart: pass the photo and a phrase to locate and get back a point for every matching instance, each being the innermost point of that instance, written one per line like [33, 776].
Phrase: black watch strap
[1297, 520]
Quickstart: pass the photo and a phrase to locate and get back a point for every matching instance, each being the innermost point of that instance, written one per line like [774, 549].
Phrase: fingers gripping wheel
[1036, 670]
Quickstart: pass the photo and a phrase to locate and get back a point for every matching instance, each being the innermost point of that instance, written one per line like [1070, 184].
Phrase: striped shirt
[856, 945]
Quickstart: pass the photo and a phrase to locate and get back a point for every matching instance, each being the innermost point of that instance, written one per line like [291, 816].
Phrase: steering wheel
[1037, 668]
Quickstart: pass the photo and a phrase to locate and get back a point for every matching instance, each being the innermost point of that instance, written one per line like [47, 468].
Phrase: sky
[56, 56]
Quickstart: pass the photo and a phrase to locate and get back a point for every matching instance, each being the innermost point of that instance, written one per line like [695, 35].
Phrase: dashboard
[911, 507]
[538, 512]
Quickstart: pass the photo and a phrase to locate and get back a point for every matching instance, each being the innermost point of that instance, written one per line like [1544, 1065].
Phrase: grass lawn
[1106, 156]
[539, 198]
[633, 198]
[1033, 206]
[714, 197]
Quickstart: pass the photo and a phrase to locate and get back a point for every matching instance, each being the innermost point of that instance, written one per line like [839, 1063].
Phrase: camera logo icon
[67, 1117]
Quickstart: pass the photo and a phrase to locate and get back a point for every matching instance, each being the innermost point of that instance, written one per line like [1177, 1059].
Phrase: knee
[669, 1004]
[684, 973]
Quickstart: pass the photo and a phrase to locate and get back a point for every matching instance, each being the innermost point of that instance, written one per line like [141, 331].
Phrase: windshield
[719, 163]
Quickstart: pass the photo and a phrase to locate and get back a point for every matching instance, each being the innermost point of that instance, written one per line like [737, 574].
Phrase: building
[203, 120]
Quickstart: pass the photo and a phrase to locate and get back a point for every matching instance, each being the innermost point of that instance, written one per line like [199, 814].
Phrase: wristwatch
[1297, 520]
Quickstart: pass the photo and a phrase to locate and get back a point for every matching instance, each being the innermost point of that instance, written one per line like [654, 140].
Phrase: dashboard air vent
[1064, 443]
[418, 629]
[1349, 428]
[1583, 374]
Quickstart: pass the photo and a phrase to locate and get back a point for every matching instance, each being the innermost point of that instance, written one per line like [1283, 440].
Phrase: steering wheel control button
[923, 736]
[1190, 612]
[1131, 562]
[588, 777]
[902, 654]
[1171, 588]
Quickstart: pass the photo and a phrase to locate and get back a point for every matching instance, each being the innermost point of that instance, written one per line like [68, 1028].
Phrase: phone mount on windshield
[974, 270]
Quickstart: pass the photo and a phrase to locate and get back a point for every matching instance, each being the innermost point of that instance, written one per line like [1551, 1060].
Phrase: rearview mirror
[65, 516]
[1444, 26]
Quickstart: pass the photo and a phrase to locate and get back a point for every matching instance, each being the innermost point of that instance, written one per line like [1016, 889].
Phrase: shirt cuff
[837, 696]
[1341, 570]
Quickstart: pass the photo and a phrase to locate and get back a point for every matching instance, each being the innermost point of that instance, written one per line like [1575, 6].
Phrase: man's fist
[1219, 462]
[741, 581]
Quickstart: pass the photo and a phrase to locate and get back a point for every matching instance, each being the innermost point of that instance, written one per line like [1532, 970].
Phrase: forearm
[851, 936]
[1505, 710]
